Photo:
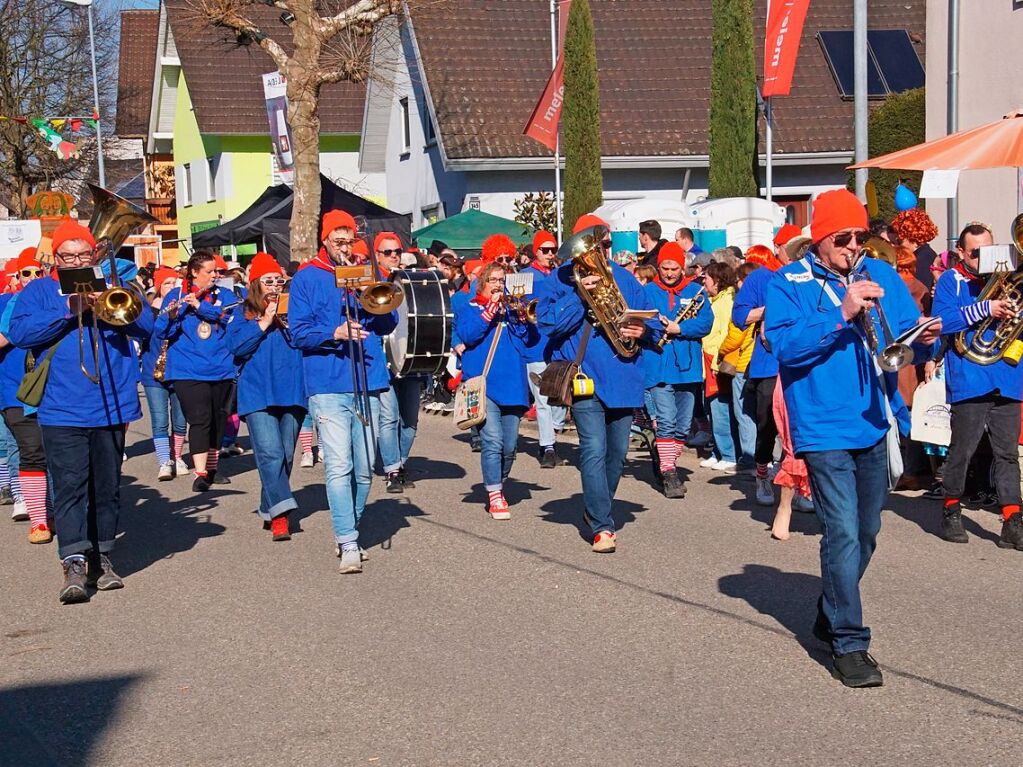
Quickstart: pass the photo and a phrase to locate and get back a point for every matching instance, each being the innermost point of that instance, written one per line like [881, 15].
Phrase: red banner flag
[543, 123]
[781, 45]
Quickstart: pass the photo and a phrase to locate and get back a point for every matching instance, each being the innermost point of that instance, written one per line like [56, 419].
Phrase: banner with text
[543, 123]
[275, 88]
[781, 45]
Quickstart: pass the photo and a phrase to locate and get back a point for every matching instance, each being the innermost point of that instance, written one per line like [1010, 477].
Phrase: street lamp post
[87, 4]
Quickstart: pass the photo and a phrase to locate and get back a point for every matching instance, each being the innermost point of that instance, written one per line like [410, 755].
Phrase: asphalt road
[473, 642]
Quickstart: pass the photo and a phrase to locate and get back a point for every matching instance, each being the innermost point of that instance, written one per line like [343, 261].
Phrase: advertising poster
[275, 93]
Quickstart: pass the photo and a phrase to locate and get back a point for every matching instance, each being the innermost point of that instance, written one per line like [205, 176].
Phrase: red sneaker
[279, 528]
[531, 413]
[499, 508]
[39, 533]
[604, 542]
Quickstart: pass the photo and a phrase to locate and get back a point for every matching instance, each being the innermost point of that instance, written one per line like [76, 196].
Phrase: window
[211, 178]
[185, 192]
[893, 65]
[406, 126]
[431, 214]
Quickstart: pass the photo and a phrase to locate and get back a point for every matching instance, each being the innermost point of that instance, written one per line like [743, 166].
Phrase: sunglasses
[31, 272]
[503, 259]
[390, 252]
[272, 280]
[844, 238]
[548, 249]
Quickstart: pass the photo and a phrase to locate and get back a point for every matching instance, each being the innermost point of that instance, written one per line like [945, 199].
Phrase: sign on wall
[16, 235]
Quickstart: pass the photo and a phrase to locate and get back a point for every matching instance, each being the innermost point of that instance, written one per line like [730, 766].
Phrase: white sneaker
[709, 463]
[700, 439]
[728, 467]
[181, 468]
[307, 461]
[20, 511]
[351, 561]
[802, 504]
[166, 471]
[765, 492]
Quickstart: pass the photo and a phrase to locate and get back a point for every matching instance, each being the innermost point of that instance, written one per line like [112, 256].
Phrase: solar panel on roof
[896, 59]
[838, 50]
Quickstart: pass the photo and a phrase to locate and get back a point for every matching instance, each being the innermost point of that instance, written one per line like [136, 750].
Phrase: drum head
[422, 339]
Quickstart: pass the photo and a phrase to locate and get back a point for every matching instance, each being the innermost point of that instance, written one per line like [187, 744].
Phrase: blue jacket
[190, 358]
[752, 295]
[561, 316]
[458, 300]
[270, 367]
[681, 360]
[149, 350]
[955, 301]
[315, 310]
[41, 318]
[506, 382]
[12, 359]
[536, 350]
[832, 392]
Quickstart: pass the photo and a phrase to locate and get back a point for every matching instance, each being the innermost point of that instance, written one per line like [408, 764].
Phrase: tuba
[605, 303]
[995, 340]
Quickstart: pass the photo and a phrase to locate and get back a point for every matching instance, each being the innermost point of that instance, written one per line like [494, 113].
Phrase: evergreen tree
[733, 101]
[580, 116]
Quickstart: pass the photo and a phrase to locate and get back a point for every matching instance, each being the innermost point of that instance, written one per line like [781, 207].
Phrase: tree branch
[227, 13]
[359, 17]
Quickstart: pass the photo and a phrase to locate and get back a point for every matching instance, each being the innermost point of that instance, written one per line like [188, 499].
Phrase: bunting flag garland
[52, 130]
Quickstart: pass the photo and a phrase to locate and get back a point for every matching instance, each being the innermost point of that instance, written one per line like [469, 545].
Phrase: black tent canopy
[265, 222]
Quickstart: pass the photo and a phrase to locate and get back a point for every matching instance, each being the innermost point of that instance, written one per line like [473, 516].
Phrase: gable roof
[225, 79]
[486, 64]
[136, 61]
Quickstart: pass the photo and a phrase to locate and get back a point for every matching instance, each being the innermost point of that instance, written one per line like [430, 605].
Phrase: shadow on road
[47, 725]
[569, 511]
[383, 519]
[926, 514]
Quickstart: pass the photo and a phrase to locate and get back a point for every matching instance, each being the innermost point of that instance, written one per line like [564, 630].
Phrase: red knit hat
[27, 259]
[379, 240]
[163, 274]
[836, 210]
[497, 245]
[220, 263]
[70, 230]
[11, 267]
[472, 265]
[360, 248]
[587, 220]
[336, 219]
[263, 264]
[671, 251]
[541, 237]
[786, 233]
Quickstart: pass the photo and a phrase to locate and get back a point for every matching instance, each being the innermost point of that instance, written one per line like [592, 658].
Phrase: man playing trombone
[844, 412]
[345, 372]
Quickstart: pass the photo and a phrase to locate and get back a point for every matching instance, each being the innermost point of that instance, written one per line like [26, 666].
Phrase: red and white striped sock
[305, 439]
[212, 459]
[496, 496]
[666, 453]
[680, 447]
[33, 489]
[179, 447]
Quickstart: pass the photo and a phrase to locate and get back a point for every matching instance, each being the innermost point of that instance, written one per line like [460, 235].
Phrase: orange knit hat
[671, 251]
[263, 264]
[836, 210]
[70, 230]
[336, 219]
[587, 220]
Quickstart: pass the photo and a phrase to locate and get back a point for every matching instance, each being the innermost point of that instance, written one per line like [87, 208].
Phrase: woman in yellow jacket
[719, 283]
[732, 359]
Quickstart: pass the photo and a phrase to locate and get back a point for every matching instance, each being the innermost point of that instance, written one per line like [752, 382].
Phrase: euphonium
[993, 339]
[112, 219]
[605, 302]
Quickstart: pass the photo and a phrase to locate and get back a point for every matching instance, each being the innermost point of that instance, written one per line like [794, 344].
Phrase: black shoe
[857, 669]
[200, 484]
[216, 478]
[1012, 533]
[476, 445]
[548, 458]
[394, 483]
[74, 581]
[101, 575]
[6, 496]
[674, 487]
[935, 493]
[821, 626]
[952, 525]
[405, 481]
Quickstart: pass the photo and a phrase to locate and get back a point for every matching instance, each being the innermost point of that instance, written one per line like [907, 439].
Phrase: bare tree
[45, 71]
[324, 49]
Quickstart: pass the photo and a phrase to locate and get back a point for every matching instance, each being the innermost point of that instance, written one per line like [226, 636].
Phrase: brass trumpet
[892, 356]
[526, 311]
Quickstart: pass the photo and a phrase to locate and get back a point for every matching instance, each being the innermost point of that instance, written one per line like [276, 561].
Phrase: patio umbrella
[995, 145]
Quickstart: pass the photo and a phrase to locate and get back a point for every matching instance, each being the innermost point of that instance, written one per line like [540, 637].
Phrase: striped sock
[495, 495]
[1008, 511]
[33, 484]
[179, 445]
[5, 474]
[16, 484]
[761, 471]
[162, 446]
[666, 453]
[212, 459]
[305, 439]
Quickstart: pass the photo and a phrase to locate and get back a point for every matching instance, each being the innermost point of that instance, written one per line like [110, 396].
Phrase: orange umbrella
[996, 145]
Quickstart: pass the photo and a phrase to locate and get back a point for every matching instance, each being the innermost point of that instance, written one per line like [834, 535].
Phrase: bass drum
[421, 343]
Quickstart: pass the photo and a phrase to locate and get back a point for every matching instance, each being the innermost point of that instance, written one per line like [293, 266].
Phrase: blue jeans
[499, 435]
[9, 453]
[849, 488]
[726, 431]
[85, 477]
[274, 433]
[158, 398]
[603, 443]
[548, 417]
[747, 426]
[673, 409]
[399, 419]
[348, 449]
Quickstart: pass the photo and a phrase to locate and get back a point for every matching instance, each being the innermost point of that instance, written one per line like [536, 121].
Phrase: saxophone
[688, 310]
[160, 366]
[605, 304]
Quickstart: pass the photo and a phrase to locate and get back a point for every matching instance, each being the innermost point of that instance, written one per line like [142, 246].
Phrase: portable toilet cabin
[740, 221]
[624, 216]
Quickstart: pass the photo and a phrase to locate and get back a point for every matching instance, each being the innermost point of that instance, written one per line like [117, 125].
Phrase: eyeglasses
[390, 252]
[31, 272]
[495, 281]
[75, 257]
[842, 239]
[548, 249]
[268, 281]
[342, 243]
